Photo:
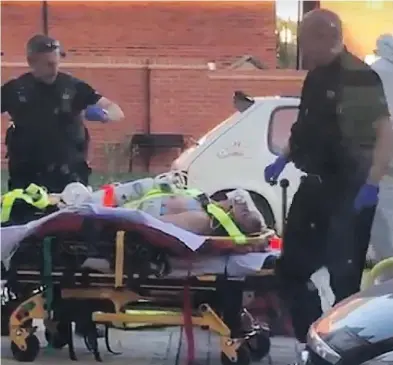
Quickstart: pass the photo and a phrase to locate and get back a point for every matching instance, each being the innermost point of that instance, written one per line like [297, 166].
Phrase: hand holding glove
[274, 170]
[367, 197]
[94, 113]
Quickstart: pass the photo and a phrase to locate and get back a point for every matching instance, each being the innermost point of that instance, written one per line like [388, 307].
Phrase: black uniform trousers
[323, 229]
[55, 177]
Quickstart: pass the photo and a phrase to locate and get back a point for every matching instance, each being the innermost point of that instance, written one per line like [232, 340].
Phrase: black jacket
[335, 130]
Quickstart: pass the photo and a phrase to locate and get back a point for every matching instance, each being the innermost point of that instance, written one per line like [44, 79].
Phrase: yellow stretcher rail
[119, 266]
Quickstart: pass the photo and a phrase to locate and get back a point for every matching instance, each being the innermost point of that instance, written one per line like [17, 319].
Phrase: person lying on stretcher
[234, 215]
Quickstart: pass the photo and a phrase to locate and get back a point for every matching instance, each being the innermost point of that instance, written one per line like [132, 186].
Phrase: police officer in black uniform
[47, 141]
[342, 140]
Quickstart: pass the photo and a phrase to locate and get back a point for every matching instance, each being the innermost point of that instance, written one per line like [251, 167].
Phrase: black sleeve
[377, 99]
[297, 126]
[85, 95]
[363, 95]
[6, 96]
[306, 89]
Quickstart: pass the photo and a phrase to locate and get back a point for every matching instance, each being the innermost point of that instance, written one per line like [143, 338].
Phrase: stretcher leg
[234, 350]
[70, 342]
[89, 303]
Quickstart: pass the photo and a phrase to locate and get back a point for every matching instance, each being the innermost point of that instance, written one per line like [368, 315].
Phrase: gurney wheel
[31, 352]
[243, 357]
[259, 346]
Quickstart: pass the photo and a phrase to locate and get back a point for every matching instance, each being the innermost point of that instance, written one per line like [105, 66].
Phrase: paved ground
[158, 347]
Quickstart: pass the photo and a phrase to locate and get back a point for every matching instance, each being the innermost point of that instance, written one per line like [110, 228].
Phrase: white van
[235, 153]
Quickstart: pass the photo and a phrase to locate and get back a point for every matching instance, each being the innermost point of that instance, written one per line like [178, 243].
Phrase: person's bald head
[320, 37]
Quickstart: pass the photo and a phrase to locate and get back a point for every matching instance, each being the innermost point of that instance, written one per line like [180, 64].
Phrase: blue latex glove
[94, 113]
[367, 197]
[273, 171]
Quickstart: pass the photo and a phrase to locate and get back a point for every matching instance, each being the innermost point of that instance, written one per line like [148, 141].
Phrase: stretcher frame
[112, 287]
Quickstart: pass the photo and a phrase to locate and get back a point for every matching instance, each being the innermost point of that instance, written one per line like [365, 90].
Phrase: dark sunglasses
[47, 47]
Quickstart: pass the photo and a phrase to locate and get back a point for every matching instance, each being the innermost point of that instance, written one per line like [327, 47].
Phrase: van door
[281, 121]
[230, 159]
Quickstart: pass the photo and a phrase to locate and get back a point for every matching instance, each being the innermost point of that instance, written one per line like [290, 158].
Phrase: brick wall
[184, 99]
[108, 45]
[199, 30]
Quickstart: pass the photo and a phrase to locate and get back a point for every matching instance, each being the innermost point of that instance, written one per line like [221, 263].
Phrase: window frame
[270, 127]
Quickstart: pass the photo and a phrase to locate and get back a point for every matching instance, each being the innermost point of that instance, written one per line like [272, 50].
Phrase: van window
[281, 122]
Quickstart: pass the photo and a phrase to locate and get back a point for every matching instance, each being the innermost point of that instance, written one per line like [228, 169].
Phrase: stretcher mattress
[237, 266]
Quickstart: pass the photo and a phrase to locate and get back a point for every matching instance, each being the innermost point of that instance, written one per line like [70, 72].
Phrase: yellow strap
[157, 193]
[192, 192]
[8, 202]
[33, 195]
[227, 223]
[223, 218]
[154, 193]
[39, 195]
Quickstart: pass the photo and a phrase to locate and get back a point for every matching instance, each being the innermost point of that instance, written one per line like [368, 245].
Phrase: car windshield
[203, 139]
[241, 102]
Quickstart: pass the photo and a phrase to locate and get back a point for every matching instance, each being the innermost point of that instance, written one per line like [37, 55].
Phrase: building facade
[151, 58]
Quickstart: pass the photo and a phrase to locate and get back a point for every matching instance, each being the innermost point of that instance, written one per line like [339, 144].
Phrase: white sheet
[234, 265]
[13, 235]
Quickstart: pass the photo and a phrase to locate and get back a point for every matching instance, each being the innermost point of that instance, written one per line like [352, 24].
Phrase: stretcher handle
[284, 184]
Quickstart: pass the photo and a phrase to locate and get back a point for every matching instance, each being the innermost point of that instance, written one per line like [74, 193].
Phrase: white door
[281, 122]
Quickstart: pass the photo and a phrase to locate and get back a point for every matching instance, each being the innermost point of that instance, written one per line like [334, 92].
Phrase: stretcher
[157, 274]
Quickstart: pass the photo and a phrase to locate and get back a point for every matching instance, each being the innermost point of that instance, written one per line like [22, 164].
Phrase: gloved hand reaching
[366, 197]
[274, 170]
[94, 113]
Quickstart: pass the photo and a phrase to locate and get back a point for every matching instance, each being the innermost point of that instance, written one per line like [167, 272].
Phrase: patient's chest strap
[154, 193]
[227, 223]
[223, 218]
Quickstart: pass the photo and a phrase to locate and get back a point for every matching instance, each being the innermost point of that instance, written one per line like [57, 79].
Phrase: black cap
[41, 43]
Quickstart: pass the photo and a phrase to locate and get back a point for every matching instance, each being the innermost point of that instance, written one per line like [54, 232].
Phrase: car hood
[361, 321]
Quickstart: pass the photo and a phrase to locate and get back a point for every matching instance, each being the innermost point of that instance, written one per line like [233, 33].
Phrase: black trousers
[54, 177]
[323, 229]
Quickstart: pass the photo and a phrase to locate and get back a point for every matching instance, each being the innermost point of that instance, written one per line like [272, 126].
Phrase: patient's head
[245, 214]
[248, 221]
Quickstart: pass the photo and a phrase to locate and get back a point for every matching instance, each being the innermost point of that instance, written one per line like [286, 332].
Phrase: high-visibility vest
[33, 195]
[211, 208]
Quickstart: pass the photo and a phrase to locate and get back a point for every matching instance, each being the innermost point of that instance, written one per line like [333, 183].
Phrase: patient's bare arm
[196, 222]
